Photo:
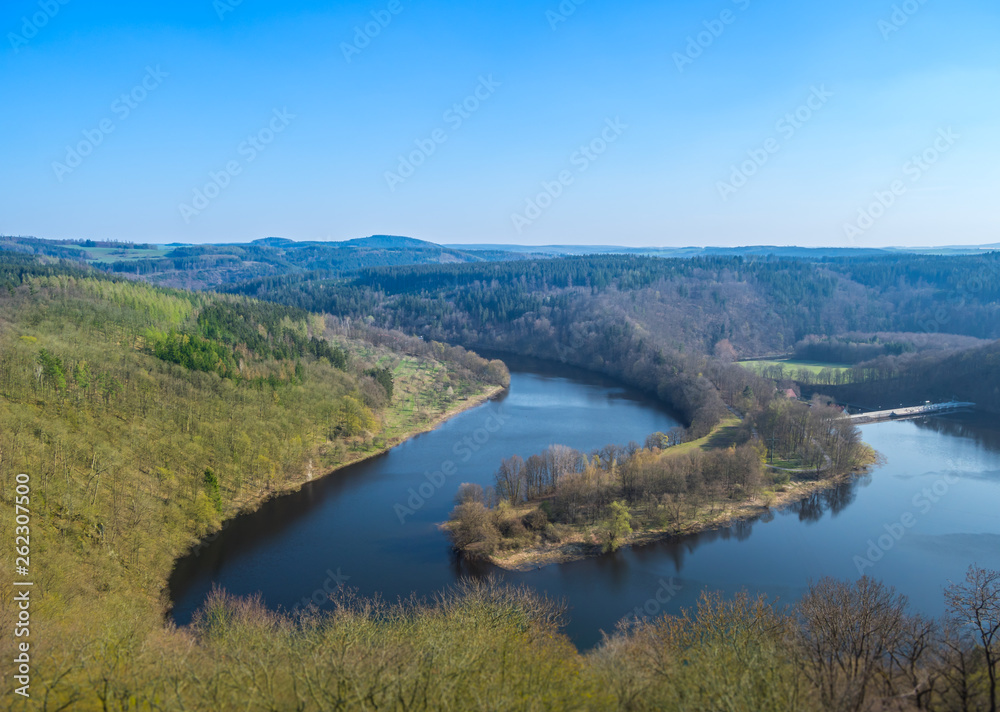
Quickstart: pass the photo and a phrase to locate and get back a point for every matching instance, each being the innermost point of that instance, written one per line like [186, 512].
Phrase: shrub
[536, 520]
[474, 530]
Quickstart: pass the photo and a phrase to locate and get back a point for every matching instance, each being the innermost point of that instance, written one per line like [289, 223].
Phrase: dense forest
[759, 301]
[652, 322]
[211, 266]
[761, 306]
[138, 444]
[670, 325]
[854, 348]
[971, 375]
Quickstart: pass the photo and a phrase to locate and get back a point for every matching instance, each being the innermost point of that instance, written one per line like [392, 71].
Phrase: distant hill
[806, 253]
[217, 265]
[393, 242]
[761, 306]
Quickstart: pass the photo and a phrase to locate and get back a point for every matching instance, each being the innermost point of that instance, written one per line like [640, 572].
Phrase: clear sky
[716, 122]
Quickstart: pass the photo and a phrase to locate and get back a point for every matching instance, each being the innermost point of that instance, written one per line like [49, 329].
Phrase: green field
[117, 254]
[793, 366]
[722, 436]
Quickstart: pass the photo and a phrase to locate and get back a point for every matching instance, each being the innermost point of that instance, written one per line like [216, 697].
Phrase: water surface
[357, 523]
[933, 504]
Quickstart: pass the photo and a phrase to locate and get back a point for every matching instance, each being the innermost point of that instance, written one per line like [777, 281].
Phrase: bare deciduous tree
[848, 631]
[975, 606]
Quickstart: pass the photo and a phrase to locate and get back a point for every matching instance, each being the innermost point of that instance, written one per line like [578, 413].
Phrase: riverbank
[578, 543]
[258, 499]
[354, 457]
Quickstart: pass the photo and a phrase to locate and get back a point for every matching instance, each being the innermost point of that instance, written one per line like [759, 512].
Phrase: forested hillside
[761, 306]
[653, 322]
[856, 348]
[144, 417]
[971, 375]
[211, 266]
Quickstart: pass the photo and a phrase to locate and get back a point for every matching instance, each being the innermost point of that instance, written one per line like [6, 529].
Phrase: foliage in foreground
[484, 646]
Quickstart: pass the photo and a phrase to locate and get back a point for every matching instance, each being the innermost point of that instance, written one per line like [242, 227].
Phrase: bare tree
[910, 672]
[848, 631]
[534, 476]
[470, 492]
[975, 606]
[955, 658]
[510, 479]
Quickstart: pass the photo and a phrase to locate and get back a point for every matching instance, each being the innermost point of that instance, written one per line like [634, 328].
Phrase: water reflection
[809, 509]
[969, 426]
[835, 500]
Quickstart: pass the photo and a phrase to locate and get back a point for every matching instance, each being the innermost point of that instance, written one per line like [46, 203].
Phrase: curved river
[916, 522]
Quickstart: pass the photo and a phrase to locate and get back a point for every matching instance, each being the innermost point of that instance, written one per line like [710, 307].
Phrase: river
[916, 522]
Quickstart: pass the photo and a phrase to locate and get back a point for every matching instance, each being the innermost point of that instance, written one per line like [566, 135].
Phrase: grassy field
[115, 254]
[792, 464]
[424, 393]
[793, 366]
[722, 436]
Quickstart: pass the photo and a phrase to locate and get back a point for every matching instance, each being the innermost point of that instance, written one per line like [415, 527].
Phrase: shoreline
[432, 424]
[579, 548]
[260, 499]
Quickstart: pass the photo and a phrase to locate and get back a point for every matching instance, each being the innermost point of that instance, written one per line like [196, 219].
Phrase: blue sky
[724, 122]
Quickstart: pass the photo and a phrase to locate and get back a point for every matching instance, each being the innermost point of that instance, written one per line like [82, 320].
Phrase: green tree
[52, 371]
[81, 374]
[212, 488]
[354, 417]
[618, 526]
[383, 376]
